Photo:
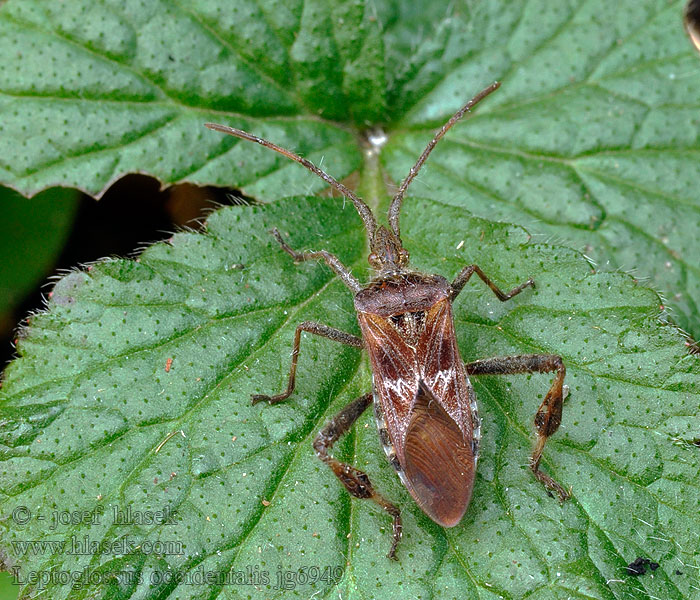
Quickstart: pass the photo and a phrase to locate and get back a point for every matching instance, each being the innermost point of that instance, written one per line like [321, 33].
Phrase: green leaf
[132, 392]
[91, 408]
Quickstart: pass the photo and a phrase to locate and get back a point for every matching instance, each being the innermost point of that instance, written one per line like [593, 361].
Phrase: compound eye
[403, 256]
[373, 259]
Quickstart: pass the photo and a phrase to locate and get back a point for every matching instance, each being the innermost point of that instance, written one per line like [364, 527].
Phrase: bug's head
[387, 254]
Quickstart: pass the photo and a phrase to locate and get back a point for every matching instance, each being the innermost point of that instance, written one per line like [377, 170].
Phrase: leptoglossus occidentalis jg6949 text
[424, 404]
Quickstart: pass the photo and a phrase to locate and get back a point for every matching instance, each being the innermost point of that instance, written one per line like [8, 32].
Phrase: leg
[317, 329]
[355, 481]
[467, 272]
[332, 261]
[548, 416]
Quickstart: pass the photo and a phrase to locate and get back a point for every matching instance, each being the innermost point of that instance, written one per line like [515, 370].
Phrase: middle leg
[548, 416]
[317, 329]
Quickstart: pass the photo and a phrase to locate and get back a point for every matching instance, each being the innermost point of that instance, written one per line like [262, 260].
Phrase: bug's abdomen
[439, 463]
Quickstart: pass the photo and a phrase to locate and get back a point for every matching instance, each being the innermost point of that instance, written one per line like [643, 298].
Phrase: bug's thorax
[396, 291]
[398, 294]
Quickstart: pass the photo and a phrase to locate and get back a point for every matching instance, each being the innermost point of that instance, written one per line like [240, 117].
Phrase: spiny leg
[355, 481]
[331, 260]
[548, 416]
[464, 275]
[316, 329]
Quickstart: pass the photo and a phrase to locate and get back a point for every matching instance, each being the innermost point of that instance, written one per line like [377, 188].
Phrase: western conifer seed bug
[425, 406]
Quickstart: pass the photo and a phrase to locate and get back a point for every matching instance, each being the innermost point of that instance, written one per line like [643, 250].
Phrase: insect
[425, 406]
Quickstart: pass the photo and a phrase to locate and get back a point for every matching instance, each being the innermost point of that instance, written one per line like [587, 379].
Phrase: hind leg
[355, 481]
[548, 416]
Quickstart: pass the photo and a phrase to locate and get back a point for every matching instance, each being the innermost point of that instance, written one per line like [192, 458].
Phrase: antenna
[364, 210]
[397, 201]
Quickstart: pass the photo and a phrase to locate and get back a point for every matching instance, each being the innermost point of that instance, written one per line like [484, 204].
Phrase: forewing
[439, 453]
[429, 409]
[441, 367]
[394, 373]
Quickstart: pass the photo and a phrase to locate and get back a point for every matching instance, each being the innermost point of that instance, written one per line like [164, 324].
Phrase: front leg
[464, 275]
[355, 481]
[548, 416]
[317, 329]
[330, 259]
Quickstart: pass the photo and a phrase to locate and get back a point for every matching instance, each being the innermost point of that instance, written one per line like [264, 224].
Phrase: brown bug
[425, 406]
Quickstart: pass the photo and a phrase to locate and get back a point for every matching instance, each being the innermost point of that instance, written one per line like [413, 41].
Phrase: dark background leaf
[31, 235]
